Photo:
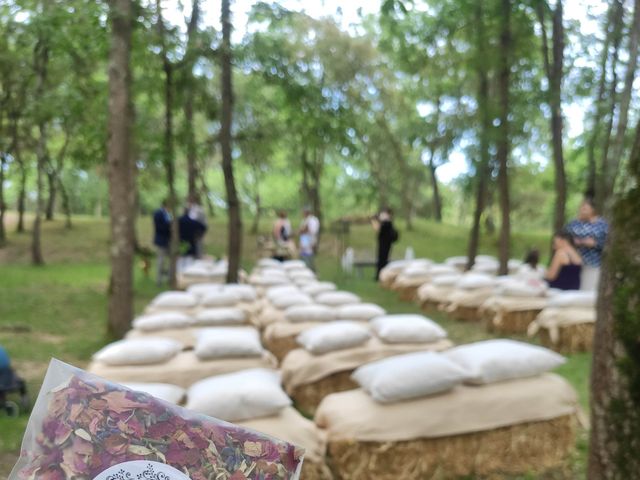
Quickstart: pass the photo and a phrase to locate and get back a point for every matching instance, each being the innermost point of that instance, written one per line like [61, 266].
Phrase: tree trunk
[503, 137]
[3, 233]
[381, 185]
[52, 190]
[17, 154]
[233, 204]
[168, 151]
[615, 376]
[122, 187]
[41, 61]
[553, 66]
[66, 204]
[190, 140]
[592, 171]
[204, 192]
[255, 226]
[482, 168]
[257, 199]
[405, 197]
[618, 23]
[437, 200]
[612, 161]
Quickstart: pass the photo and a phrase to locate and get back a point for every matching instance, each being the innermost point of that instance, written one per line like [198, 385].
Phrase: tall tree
[504, 143]
[484, 126]
[234, 247]
[122, 185]
[617, 35]
[553, 67]
[615, 375]
[614, 154]
[3, 208]
[40, 67]
[188, 107]
[168, 151]
[596, 132]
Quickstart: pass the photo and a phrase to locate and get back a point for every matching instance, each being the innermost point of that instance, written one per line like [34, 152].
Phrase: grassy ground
[59, 310]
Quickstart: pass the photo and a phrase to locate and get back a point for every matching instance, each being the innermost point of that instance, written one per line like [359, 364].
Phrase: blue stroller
[11, 385]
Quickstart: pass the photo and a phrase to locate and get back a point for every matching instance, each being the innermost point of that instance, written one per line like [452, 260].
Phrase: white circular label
[141, 470]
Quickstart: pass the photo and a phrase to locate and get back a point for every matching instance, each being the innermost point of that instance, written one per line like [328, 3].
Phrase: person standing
[284, 246]
[309, 232]
[196, 213]
[161, 240]
[387, 236]
[589, 232]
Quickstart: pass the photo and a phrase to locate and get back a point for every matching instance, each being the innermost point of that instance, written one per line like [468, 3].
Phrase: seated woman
[566, 264]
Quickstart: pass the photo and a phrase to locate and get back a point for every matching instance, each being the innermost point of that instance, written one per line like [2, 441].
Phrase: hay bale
[308, 397]
[511, 322]
[431, 306]
[571, 338]
[280, 346]
[519, 449]
[316, 471]
[465, 314]
[407, 293]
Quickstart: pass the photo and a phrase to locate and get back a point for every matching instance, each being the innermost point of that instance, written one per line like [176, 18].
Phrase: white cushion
[437, 270]
[172, 299]
[198, 270]
[583, 299]
[239, 396]
[446, 280]
[414, 271]
[486, 268]
[220, 316]
[164, 391]
[228, 342]
[520, 288]
[301, 282]
[301, 273]
[220, 299]
[246, 293]
[161, 321]
[274, 272]
[337, 298]
[459, 261]
[317, 288]
[409, 376]
[492, 361]
[310, 313]
[269, 262]
[473, 281]
[407, 328]
[278, 291]
[285, 301]
[336, 335]
[396, 266]
[293, 264]
[201, 289]
[138, 351]
[268, 280]
[360, 311]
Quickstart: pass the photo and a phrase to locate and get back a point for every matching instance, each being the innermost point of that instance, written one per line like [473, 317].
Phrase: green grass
[59, 310]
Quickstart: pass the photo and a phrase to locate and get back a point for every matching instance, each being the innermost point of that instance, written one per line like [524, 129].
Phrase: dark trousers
[383, 257]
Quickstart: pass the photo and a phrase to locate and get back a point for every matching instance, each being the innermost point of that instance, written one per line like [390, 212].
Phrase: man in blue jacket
[162, 239]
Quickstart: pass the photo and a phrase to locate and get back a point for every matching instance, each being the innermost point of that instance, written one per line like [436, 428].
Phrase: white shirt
[313, 225]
